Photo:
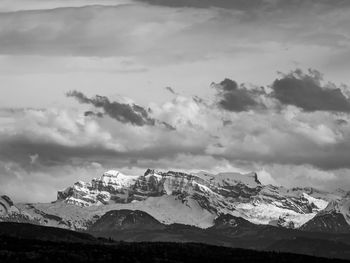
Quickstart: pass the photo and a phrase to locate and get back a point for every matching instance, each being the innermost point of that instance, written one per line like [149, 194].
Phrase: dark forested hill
[28, 250]
[174, 243]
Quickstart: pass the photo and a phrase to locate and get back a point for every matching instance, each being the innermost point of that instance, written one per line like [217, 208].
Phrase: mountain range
[226, 209]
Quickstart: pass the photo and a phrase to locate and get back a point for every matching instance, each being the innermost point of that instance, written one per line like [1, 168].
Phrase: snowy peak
[232, 185]
[314, 203]
[112, 185]
[251, 179]
[113, 181]
[112, 173]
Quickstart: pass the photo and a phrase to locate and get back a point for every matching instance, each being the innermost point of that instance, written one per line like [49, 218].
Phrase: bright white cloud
[287, 147]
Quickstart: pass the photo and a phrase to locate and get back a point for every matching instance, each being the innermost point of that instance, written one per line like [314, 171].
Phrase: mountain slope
[335, 218]
[128, 225]
[119, 220]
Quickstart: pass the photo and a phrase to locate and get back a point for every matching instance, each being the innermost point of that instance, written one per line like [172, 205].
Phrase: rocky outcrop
[10, 213]
[111, 186]
[5, 205]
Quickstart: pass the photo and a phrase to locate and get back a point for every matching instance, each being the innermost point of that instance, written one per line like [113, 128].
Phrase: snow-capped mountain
[175, 197]
[225, 193]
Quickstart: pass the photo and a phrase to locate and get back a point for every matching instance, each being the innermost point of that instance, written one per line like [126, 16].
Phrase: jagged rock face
[119, 188]
[113, 182]
[229, 186]
[155, 183]
[111, 186]
[293, 199]
[5, 205]
[10, 213]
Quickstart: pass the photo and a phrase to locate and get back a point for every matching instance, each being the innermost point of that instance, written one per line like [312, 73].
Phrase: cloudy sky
[215, 85]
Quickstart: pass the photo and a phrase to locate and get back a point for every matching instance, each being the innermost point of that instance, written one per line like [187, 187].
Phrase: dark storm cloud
[18, 148]
[341, 122]
[236, 98]
[93, 114]
[226, 122]
[307, 92]
[125, 113]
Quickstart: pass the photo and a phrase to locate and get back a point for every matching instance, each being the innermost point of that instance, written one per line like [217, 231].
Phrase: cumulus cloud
[242, 137]
[306, 91]
[64, 137]
[274, 142]
[236, 98]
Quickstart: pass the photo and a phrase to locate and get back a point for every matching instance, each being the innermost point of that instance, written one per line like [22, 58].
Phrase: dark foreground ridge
[227, 231]
[28, 250]
[28, 243]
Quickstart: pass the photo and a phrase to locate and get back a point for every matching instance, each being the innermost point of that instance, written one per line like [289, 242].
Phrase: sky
[190, 85]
